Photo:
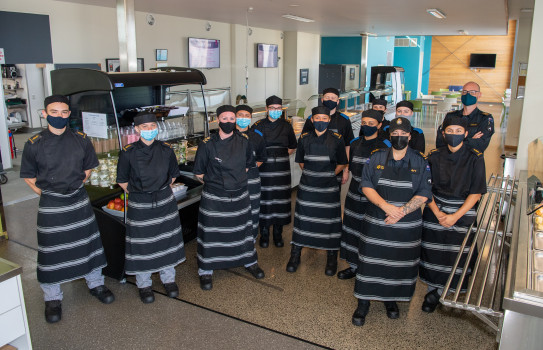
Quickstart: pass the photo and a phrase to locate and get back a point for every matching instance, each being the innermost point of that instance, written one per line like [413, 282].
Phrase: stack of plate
[179, 190]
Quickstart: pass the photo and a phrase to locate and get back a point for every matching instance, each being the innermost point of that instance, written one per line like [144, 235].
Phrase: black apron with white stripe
[317, 216]
[253, 186]
[154, 239]
[441, 245]
[275, 205]
[225, 229]
[69, 244]
[389, 254]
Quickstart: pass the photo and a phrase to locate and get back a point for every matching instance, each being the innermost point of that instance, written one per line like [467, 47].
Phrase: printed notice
[95, 124]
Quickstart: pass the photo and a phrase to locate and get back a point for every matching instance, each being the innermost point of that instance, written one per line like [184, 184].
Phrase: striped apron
[69, 244]
[275, 206]
[253, 186]
[317, 216]
[154, 238]
[440, 245]
[353, 213]
[225, 229]
[389, 254]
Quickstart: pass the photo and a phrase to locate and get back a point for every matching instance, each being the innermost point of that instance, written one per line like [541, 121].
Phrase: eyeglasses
[471, 92]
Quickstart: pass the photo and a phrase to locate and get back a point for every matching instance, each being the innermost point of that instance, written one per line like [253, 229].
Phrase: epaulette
[258, 122]
[125, 148]
[206, 139]
[244, 135]
[304, 134]
[34, 138]
[485, 113]
[82, 134]
[477, 152]
[377, 150]
[422, 155]
[344, 116]
[418, 130]
[353, 140]
[336, 135]
[432, 151]
[167, 144]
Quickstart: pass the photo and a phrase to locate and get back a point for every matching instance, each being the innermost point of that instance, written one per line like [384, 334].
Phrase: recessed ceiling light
[298, 18]
[436, 13]
[462, 32]
[294, 5]
[528, 10]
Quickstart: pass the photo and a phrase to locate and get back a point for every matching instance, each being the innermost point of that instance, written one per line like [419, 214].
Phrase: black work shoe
[206, 282]
[278, 236]
[103, 294]
[294, 260]
[392, 309]
[53, 311]
[331, 263]
[264, 237]
[346, 274]
[359, 316]
[256, 271]
[431, 301]
[171, 289]
[147, 295]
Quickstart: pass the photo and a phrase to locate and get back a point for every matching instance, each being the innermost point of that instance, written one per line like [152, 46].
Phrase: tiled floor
[295, 311]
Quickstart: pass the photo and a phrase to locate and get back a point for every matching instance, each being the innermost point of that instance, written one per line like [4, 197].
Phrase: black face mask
[368, 130]
[399, 142]
[227, 128]
[329, 104]
[454, 140]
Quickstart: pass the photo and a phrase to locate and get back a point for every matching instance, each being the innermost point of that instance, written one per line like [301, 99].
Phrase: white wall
[522, 51]
[36, 93]
[531, 125]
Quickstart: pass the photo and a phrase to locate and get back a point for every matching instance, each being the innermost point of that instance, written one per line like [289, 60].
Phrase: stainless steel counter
[9, 270]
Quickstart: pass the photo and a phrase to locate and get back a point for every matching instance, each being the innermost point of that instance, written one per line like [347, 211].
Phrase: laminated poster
[95, 124]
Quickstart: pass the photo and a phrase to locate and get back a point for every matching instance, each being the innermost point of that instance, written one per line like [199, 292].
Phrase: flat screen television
[204, 53]
[482, 60]
[267, 55]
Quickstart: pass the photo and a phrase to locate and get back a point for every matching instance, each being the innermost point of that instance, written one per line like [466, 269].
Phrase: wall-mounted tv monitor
[204, 53]
[267, 55]
[482, 60]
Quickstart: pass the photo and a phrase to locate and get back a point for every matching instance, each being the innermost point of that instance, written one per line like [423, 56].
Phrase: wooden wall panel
[449, 64]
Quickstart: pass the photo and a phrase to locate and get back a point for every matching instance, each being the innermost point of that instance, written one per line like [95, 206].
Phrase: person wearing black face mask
[317, 218]
[339, 123]
[225, 227]
[396, 182]
[355, 202]
[480, 125]
[55, 164]
[417, 141]
[458, 182]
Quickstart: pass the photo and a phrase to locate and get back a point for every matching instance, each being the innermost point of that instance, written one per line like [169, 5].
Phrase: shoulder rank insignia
[244, 135]
[167, 144]
[422, 155]
[206, 139]
[34, 138]
[432, 151]
[337, 135]
[485, 113]
[125, 148]
[304, 134]
[376, 150]
[82, 134]
[477, 152]
[258, 122]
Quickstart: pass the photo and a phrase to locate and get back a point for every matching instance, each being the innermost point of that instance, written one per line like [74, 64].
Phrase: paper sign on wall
[2, 57]
[95, 124]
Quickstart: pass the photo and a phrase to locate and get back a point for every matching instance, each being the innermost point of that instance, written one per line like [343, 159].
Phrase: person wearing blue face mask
[355, 202]
[317, 219]
[275, 202]
[480, 125]
[339, 123]
[55, 164]
[243, 119]
[458, 182]
[154, 238]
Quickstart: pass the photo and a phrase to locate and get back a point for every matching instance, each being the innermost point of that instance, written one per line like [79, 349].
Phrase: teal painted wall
[341, 50]
[410, 59]
[426, 64]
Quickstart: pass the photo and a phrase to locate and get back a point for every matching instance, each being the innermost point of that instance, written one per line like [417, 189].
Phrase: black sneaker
[147, 295]
[359, 316]
[256, 271]
[346, 274]
[206, 282]
[431, 301]
[392, 310]
[103, 294]
[171, 289]
[53, 311]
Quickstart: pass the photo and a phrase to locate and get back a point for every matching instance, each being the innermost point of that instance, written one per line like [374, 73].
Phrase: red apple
[118, 207]
[118, 201]
[111, 205]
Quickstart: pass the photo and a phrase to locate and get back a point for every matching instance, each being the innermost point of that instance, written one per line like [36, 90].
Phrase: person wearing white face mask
[154, 238]
[275, 206]
[243, 120]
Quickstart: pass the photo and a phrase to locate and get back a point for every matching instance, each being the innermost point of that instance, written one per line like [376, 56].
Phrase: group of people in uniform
[383, 235]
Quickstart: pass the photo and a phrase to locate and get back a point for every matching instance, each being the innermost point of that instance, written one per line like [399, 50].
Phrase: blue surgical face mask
[320, 126]
[468, 100]
[149, 134]
[275, 114]
[369, 130]
[57, 122]
[243, 122]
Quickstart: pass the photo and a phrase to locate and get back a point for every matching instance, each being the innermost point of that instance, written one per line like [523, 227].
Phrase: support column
[126, 28]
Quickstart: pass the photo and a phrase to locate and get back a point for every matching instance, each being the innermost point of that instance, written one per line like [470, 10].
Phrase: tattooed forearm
[414, 204]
